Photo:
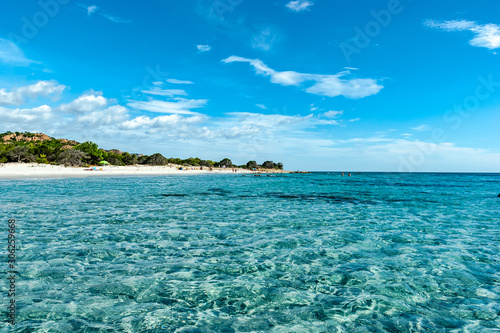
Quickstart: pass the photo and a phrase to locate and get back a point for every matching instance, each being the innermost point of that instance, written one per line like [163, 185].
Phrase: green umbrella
[103, 162]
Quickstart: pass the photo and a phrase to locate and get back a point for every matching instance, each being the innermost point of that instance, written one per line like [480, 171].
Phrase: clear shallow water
[234, 253]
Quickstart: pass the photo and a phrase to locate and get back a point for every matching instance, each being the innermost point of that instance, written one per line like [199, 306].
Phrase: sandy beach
[33, 170]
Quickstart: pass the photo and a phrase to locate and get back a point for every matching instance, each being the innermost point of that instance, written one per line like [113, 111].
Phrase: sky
[364, 85]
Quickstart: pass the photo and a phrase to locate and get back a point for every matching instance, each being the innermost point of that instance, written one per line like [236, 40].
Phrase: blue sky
[316, 84]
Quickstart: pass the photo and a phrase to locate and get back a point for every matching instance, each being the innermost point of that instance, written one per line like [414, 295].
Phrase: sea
[317, 252]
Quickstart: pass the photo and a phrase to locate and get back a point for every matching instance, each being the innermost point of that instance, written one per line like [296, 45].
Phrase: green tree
[115, 159]
[207, 163]
[177, 161]
[268, 165]
[20, 154]
[92, 150]
[225, 162]
[142, 159]
[73, 157]
[252, 165]
[129, 159]
[157, 159]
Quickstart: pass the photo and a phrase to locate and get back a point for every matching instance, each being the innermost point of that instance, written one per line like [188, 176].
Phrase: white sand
[33, 170]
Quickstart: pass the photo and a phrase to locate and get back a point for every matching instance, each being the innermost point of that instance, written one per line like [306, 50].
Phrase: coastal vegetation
[17, 147]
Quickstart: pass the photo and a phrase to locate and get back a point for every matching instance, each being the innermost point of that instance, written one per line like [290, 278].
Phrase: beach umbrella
[103, 163]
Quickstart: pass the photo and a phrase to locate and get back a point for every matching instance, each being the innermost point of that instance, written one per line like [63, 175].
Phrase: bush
[157, 159]
[114, 160]
[129, 159]
[191, 161]
[252, 165]
[142, 159]
[92, 150]
[73, 157]
[225, 162]
[42, 159]
[268, 165]
[207, 163]
[20, 154]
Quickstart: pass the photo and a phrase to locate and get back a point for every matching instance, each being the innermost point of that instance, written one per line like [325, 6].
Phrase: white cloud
[299, 5]
[175, 81]
[173, 121]
[94, 9]
[39, 89]
[165, 92]
[104, 117]
[355, 119]
[324, 85]
[276, 122]
[32, 116]
[203, 48]
[86, 103]
[179, 106]
[91, 9]
[421, 128]
[487, 35]
[115, 19]
[261, 106]
[11, 54]
[333, 114]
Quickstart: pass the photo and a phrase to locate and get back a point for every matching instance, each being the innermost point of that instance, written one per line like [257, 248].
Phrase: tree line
[62, 152]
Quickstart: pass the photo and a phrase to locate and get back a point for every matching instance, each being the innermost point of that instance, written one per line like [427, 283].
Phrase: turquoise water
[233, 253]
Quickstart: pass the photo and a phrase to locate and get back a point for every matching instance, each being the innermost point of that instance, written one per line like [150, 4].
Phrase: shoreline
[34, 170]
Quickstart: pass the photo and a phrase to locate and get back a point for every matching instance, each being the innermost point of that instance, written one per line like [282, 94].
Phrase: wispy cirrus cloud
[176, 81]
[11, 54]
[299, 5]
[333, 114]
[91, 9]
[177, 106]
[323, 85]
[165, 92]
[486, 35]
[203, 48]
[421, 128]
